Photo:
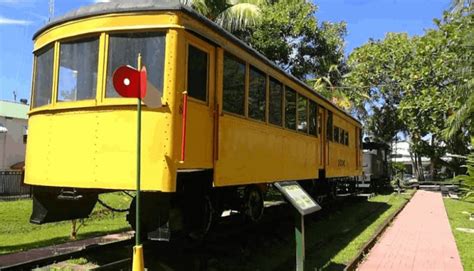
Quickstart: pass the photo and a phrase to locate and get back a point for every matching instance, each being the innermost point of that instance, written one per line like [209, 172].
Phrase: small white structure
[401, 154]
[13, 131]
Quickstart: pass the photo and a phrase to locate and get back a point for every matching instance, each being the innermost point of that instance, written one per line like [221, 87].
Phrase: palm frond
[461, 118]
[239, 16]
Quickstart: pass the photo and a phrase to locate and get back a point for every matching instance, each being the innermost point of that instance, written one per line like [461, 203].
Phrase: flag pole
[138, 262]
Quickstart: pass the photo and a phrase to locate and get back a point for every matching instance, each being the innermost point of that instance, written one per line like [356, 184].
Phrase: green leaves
[425, 82]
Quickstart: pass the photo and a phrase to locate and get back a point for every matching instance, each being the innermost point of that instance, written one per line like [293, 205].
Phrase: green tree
[233, 15]
[289, 34]
[414, 79]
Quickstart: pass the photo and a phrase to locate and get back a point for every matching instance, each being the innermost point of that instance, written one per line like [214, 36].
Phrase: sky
[20, 19]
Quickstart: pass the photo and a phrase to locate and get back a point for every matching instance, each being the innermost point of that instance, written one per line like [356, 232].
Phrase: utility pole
[51, 9]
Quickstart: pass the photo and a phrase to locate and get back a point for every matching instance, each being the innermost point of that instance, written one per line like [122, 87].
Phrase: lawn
[17, 233]
[458, 218]
[332, 240]
[357, 223]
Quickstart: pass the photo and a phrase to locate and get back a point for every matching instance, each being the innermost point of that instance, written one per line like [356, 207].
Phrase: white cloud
[4, 20]
[102, 1]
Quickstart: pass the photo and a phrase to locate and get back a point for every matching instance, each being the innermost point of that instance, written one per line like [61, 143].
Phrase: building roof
[14, 110]
[124, 6]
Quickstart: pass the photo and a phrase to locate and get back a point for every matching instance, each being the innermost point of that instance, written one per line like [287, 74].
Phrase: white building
[13, 131]
[401, 154]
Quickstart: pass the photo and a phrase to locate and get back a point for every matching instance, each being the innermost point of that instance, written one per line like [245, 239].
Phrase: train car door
[200, 85]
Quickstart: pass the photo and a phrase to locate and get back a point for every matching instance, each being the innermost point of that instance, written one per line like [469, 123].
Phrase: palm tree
[463, 116]
[233, 15]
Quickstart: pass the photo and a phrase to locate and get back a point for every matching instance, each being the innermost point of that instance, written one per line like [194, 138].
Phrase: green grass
[358, 224]
[458, 218]
[17, 233]
[332, 241]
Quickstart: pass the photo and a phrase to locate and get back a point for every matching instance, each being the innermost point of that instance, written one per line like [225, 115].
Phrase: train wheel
[253, 203]
[131, 218]
[199, 223]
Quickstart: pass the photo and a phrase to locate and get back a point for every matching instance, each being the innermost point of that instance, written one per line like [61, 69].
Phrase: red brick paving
[420, 238]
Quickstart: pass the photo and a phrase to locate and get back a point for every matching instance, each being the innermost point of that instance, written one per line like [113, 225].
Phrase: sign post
[304, 205]
[132, 83]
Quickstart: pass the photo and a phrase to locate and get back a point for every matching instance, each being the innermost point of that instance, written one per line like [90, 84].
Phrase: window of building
[275, 103]
[124, 50]
[78, 70]
[329, 130]
[197, 73]
[234, 85]
[257, 94]
[312, 118]
[302, 114]
[336, 134]
[43, 84]
[290, 108]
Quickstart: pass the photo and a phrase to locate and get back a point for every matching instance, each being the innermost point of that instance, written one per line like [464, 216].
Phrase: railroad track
[231, 232]
[81, 252]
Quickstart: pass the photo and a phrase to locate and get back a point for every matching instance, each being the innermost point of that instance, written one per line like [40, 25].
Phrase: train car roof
[124, 6]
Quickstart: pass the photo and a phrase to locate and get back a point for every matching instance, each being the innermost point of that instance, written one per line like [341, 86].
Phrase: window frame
[79, 103]
[42, 50]
[265, 117]
[316, 116]
[286, 88]
[330, 126]
[282, 102]
[192, 42]
[103, 99]
[237, 59]
[306, 100]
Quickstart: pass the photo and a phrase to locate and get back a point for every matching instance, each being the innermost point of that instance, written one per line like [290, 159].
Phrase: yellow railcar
[249, 123]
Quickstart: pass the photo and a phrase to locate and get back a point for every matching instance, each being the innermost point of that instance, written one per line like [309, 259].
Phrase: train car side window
[43, 82]
[329, 131]
[234, 85]
[197, 73]
[336, 134]
[257, 94]
[313, 111]
[78, 70]
[302, 114]
[342, 136]
[290, 108]
[275, 104]
[346, 139]
[124, 50]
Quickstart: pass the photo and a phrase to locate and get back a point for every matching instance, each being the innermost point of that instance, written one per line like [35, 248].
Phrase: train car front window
[78, 70]
[124, 50]
[43, 81]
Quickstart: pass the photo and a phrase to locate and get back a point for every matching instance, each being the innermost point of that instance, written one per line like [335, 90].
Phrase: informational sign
[298, 197]
[304, 204]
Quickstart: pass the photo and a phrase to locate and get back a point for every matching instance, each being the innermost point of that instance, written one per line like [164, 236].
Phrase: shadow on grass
[54, 241]
[271, 245]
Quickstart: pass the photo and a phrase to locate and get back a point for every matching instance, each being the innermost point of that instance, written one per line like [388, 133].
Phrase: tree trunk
[421, 177]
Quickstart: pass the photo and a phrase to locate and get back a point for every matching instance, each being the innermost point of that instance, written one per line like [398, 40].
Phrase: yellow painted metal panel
[107, 23]
[96, 149]
[251, 153]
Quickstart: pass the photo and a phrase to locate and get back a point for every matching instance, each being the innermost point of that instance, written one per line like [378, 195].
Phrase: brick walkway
[420, 238]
